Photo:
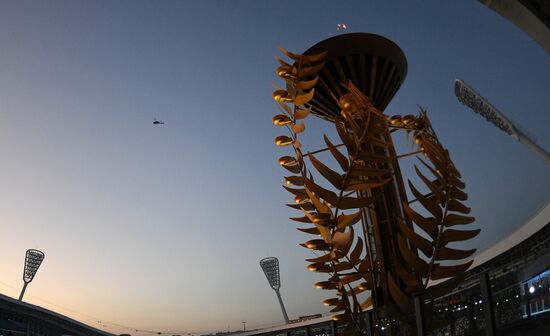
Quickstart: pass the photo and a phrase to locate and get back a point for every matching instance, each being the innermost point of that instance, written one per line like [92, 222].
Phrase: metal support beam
[369, 323]
[485, 286]
[419, 313]
[526, 299]
[285, 316]
[333, 329]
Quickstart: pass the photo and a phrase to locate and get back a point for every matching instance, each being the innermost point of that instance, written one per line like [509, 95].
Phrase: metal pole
[369, 320]
[526, 300]
[485, 287]
[282, 306]
[419, 316]
[23, 291]
[533, 146]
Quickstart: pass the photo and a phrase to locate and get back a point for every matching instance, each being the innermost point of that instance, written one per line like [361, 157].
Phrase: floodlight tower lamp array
[33, 260]
[270, 266]
[469, 97]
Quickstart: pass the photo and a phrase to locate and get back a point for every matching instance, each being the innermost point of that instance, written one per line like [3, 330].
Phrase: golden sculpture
[388, 263]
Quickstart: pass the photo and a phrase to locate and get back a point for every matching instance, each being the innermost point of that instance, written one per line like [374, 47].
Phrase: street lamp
[270, 266]
[33, 259]
[469, 97]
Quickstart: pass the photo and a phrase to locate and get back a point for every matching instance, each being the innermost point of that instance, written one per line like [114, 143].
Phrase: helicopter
[158, 122]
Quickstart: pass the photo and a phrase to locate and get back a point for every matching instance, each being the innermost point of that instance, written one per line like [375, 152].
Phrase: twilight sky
[161, 228]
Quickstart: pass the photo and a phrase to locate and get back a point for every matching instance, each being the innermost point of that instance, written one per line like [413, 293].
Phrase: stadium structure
[531, 16]
[505, 292]
[21, 318]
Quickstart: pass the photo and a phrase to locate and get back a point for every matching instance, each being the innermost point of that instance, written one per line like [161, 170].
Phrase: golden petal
[281, 96]
[283, 140]
[281, 120]
[288, 161]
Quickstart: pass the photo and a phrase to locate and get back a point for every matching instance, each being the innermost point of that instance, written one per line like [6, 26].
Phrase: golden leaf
[342, 266]
[416, 240]
[301, 199]
[412, 284]
[306, 85]
[321, 218]
[341, 306]
[454, 205]
[429, 225]
[432, 170]
[310, 70]
[281, 96]
[443, 288]
[365, 267]
[453, 219]
[348, 220]
[342, 240]
[311, 230]
[286, 71]
[451, 235]
[341, 318]
[397, 294]
[319, 267]
[283, 140]
[331, 176]
[287, 161]
[364, 185]
[304, 219]
[360, 288]
[294, 180]
[298, 128]
[302, 99]
[304, 59]
[356, 253]
[302, 113]
[281, 61]
[455, 181]
[441, 272]
[321, 207]
[323, 230]
[326, 285]
[345, 137]
[367, 303]
[454, 192]
[286, 109]
[281, 120]
[340, 158]
[316, 244]
[418, 264]
[327, 195]
[296, 191]
[331, 301]
[322, 259]
[350, 278]
[446, 253]
[428, 204]
[436, 190]
[306, 206]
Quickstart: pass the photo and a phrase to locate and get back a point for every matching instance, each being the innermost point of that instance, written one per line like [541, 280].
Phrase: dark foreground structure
[506, 292]
[20, 318]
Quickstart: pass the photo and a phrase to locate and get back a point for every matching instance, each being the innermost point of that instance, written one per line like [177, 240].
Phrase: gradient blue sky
[162, 228]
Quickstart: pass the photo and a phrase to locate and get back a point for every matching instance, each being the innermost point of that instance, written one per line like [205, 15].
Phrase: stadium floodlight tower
[270, 266]
[469, 97]
[33, 259]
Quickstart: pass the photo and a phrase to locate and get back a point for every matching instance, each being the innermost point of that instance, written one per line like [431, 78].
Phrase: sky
[161, 228]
